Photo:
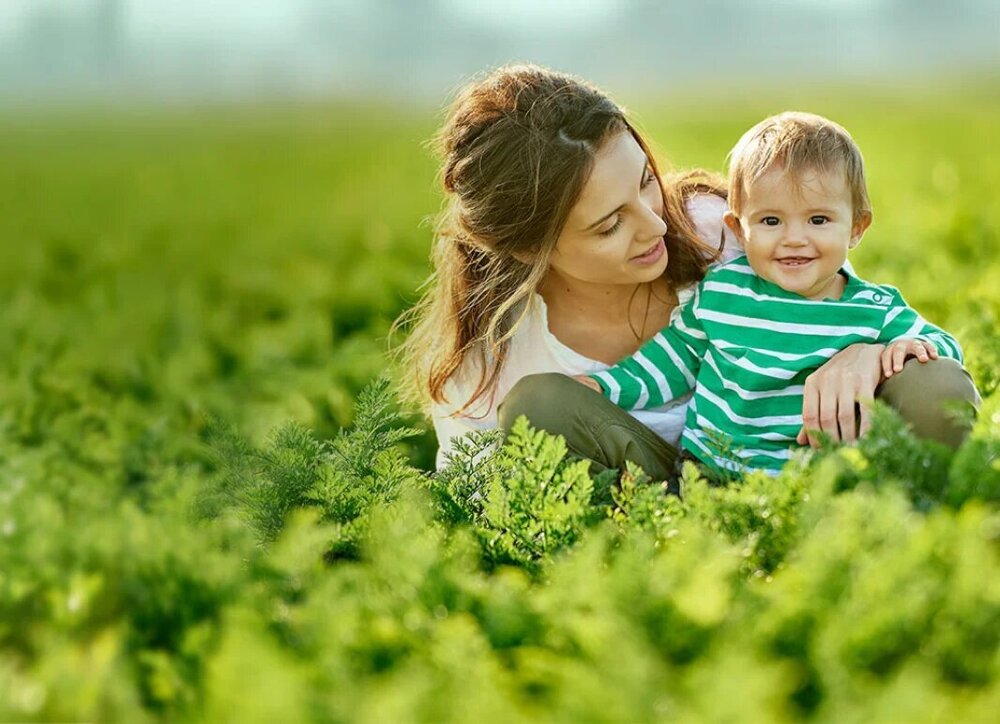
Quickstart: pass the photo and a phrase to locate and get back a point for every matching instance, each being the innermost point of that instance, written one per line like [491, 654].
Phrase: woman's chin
[654, 271]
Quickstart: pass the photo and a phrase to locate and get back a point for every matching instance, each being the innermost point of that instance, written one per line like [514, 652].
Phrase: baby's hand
[588, 381]
[895, 354]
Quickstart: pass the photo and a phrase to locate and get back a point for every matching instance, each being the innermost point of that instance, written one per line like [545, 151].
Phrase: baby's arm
[895, 354]
[905, 333]
[663, 369]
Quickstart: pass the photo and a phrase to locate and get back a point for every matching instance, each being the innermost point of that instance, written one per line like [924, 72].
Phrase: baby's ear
[859, 227]
[733, 222]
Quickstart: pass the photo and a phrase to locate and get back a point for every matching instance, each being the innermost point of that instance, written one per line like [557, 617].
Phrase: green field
[193, 301]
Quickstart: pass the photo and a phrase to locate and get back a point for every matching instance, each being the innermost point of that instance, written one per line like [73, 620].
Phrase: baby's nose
[795, 234]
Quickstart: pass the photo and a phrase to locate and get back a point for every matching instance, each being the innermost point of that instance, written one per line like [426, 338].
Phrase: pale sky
[220, 46]
[146, 18]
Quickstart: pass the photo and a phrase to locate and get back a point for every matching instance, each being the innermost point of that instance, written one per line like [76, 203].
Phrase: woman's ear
[859, 228]
[733, 222]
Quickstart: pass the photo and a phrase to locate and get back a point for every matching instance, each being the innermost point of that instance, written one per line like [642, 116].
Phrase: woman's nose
[653, 225]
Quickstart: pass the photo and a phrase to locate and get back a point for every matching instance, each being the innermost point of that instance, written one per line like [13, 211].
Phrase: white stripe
[774, 372]
[680, 326]
[913, 331]
[615, 391]
[939, 339]
[735, 290]
[724, 463]
[675, 358]
[782, 453]
[640, 401]
[893, 313]
[744, 453]
[643, 398]
[821, 330]
[657, 374]
[826, 353]
[740, 269]
[768, 421]
[736, 466]
[784, 440]
[776, 454]
[789, 391]
[951, 344]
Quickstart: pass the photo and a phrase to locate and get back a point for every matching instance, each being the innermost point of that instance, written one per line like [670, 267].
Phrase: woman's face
[614, 233]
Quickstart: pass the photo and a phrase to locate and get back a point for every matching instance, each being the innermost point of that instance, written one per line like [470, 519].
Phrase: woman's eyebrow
[616, 210]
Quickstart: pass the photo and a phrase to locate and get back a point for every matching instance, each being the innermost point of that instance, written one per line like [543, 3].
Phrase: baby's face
[796, 230]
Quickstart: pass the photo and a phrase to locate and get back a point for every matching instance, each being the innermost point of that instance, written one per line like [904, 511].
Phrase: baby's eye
[818, 220]
[770, 221]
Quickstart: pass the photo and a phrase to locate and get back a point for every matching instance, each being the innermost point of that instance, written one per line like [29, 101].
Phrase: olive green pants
[600, 431]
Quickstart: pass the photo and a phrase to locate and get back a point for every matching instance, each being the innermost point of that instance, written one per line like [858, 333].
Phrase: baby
[758, 325]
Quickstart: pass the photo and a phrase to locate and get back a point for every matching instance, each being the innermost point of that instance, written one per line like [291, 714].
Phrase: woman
[561, 250]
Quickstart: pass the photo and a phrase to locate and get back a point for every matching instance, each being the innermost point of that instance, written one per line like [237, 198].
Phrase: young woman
[561, 249]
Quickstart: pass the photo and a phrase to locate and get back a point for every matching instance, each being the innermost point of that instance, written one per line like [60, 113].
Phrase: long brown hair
[517, 148]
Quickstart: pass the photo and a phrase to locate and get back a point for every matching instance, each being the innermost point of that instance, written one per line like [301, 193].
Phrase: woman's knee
[542, 398]
[937, 398]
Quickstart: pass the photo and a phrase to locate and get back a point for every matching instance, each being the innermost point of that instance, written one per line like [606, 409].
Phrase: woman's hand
[588, 381]
[832, 393]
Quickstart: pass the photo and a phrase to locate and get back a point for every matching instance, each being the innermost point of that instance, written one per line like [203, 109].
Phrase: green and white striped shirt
[745, 346]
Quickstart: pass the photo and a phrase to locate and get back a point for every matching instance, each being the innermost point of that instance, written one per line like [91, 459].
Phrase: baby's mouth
[795, 260]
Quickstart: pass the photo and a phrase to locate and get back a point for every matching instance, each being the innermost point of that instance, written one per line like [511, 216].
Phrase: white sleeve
[448, 425]
[706, 212]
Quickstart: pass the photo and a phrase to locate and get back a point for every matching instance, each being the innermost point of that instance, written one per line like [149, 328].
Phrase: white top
[534, 349]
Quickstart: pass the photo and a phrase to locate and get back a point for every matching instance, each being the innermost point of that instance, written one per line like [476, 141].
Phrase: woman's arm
[832, 393]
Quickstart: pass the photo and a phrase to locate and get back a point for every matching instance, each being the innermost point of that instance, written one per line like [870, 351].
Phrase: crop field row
[201, 520]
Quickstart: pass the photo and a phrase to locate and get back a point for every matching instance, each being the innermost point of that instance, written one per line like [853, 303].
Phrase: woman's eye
[770, 221]
[611, 230]
[648, 178]
[818, 220]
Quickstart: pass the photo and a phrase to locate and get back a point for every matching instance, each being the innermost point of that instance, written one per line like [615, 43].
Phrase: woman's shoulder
[532, 349]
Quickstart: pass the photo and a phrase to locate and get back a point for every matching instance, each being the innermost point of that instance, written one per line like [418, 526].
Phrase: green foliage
[208, 510]
[641, 505]
[266, 484]
[361, 469]
[460, 488]
[759, 514]
[538, 502]
[975, 470]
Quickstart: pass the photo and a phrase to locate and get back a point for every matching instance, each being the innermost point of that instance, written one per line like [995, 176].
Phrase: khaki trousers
[598, 430]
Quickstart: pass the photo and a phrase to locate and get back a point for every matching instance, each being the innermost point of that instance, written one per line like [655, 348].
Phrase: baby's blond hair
[797, 142]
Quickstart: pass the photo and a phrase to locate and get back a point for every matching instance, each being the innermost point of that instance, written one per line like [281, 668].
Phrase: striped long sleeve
[904, 322]
[663, 369]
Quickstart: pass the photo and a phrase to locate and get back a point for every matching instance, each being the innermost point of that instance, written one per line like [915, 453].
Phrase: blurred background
[216, 208]
[419, 49]
[213, 210]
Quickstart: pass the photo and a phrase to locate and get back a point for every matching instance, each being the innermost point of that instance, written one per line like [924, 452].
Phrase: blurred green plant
[209, 511]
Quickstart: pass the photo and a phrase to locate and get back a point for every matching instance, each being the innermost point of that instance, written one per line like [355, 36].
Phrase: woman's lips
[653, 255]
